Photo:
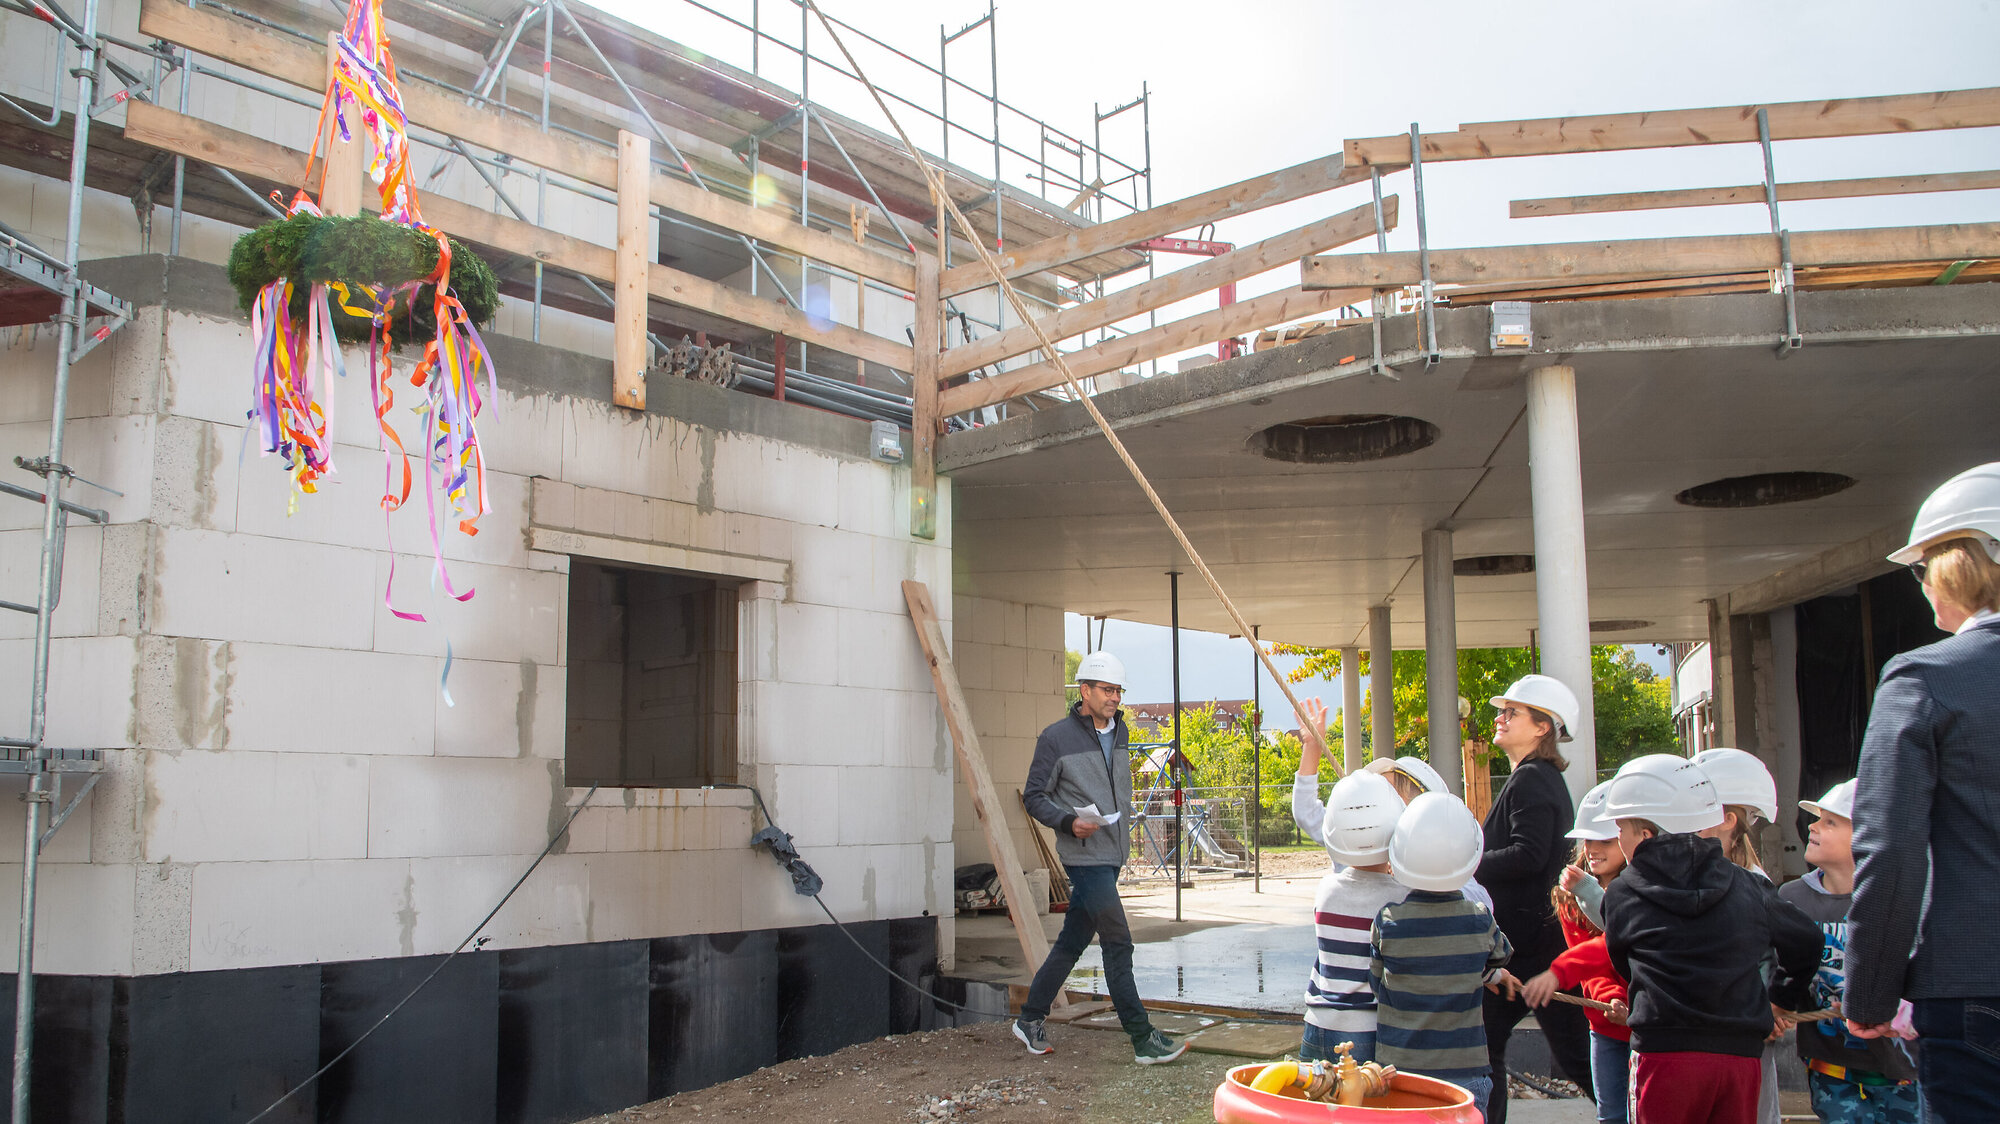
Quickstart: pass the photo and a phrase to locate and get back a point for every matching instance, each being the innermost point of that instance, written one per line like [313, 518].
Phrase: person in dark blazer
[1526, 846]
[1927, 816]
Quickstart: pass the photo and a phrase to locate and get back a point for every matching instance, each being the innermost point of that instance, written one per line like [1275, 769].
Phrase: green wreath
[363, 250]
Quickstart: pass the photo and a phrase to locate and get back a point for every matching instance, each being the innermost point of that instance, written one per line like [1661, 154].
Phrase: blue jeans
[1320, 1042]
[1610, 1076]
[1481, 1088]
[1094, 909]
[1958, 1058]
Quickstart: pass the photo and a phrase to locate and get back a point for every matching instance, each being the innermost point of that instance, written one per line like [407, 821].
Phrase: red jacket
[1587, 965]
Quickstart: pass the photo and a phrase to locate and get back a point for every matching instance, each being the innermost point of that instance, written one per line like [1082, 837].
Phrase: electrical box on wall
[885, 442]
[1511, 324]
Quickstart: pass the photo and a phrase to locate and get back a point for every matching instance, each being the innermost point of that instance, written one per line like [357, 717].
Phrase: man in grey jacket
[1081, 765]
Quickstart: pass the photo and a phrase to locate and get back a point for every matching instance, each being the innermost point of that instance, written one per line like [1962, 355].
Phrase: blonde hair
[1738, 848]
[1960, 571]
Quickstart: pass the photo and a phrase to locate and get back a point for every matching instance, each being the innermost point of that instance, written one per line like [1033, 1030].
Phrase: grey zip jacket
[1068, 772]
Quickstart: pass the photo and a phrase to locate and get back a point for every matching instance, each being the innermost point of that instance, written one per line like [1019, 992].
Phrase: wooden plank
[636, 252]
[1247, 1040]
[1733, 253]
[1193, 331]
[1752, 193]
[1242, 262]
[240, 152]
[1847, 117]
[925, 420]
[302, 64]
[1255, 193]
[986, 805]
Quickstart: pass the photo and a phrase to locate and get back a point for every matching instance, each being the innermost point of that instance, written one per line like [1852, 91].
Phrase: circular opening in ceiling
[1621, 625]
[1493, 565]
[1344, 439]
[1765, 489]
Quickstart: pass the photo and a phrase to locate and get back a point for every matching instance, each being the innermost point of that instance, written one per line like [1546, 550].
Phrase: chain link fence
[1215, 831]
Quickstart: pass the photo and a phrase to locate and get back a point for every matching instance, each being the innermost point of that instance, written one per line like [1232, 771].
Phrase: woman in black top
[1525, 852]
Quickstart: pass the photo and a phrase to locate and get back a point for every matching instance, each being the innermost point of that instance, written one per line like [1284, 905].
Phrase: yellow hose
[1276, 1076]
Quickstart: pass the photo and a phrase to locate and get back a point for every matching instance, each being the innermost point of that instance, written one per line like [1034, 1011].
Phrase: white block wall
[1010, 662]
[285, 781]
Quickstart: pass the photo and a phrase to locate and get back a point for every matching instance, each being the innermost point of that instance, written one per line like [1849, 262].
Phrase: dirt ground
[967, 1073]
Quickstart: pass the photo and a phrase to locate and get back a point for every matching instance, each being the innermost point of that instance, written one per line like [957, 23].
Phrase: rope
[1048, 347]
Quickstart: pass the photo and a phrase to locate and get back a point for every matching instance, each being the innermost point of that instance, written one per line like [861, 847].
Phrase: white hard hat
[1101, 667]
[1670, 791]
[1361, 812]
[1839, 800]
[1967, 505]
[1591, 822]
[1437, 843]
[1740, 779]
[1548, 695]
[1414, 769]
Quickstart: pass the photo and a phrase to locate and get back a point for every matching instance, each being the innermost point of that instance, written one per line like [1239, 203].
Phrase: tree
[1071, 658]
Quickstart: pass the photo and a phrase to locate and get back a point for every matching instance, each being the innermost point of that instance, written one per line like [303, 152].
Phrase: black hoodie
[1690, 929]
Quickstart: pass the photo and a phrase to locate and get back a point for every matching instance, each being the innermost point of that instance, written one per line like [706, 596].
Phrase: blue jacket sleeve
[1892, 836]
[1041, 787]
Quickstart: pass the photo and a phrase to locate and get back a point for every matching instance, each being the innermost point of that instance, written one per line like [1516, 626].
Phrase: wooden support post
[633, 270]
[925, 420]
[986, 804]
[341, 176]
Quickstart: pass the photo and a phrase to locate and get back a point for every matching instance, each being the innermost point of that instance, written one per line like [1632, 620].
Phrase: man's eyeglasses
[1105, 688]
[1920, 567]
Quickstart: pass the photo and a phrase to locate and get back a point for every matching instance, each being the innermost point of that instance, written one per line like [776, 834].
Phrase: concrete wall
[1010, 662]
[286, 783]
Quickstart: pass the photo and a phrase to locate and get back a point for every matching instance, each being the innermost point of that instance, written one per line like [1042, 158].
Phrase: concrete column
[1350, 709]
[1381, 683]
[1441, 659]
[1562, 587]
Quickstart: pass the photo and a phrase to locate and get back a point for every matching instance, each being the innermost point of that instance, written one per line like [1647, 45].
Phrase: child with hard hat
[1361, 813]
[1587, 964]
[1432, 952]
[1689, 930]
[1748, 793]
[1853, 1080]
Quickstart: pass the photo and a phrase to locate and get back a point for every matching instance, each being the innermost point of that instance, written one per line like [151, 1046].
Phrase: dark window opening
[652, 678]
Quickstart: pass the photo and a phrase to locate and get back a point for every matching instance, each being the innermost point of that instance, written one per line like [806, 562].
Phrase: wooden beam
[302, 64]
[341, 178]
[636, 253]
[1736, 124]
[1255, 193]
[1716, 254]
[986, 805]
[1245, 261]
[1193, 331]
[241, 152]
[925, 420]
[1752, 193]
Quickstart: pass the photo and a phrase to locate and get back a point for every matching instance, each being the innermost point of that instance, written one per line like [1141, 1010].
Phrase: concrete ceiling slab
[1897, 388]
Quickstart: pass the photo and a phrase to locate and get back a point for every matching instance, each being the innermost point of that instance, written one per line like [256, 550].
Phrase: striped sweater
[1338, 995]
[1431, 955]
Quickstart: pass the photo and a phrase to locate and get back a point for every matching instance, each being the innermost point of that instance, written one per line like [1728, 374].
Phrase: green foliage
[1632, 705]
[1071, 658]
[1220, 755]
[362, 250]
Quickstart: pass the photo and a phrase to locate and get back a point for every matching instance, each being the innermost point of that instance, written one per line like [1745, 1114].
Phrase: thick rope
[1048, 347]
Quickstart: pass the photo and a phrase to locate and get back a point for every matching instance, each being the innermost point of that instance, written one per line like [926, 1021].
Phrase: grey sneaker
[1157, 1049]
[1029, 1031]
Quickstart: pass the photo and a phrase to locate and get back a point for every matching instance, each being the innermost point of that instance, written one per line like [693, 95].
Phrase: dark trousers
[1568, 1037]
[1958, 1058]
[1094, 909]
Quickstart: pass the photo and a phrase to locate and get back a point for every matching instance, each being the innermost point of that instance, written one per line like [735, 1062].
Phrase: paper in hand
[1090, 815]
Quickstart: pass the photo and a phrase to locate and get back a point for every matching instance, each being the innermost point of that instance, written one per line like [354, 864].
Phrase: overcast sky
[1257, 85]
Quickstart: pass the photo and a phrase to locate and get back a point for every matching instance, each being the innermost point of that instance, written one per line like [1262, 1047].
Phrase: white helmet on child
[1965, 506]
[1671, 792]
[1416, 770]
[1838, 801]
[1547, 694]
[1101, 667]
[1361, 813]
[1437, 843]
[1591, 822]
[1740, 779]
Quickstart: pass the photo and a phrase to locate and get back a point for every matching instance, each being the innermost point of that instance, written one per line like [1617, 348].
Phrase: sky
[1257, 85]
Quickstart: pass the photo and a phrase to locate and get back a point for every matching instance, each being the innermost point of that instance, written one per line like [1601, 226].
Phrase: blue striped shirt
[1338, 996]
[1431, 954]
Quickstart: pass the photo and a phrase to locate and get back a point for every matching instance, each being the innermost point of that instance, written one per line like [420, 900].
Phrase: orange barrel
[1412, 1099]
